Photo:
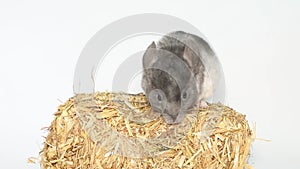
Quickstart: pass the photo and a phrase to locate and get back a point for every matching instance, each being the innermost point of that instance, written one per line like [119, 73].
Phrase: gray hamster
[180, 72]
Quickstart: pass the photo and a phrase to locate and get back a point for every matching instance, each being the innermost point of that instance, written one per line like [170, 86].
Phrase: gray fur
[180, 64]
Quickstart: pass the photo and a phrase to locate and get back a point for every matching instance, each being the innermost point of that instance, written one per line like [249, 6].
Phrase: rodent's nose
[170, 120]
[174, 117]
[172, 112]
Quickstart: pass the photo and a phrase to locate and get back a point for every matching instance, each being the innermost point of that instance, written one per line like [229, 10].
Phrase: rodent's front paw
[203, 104]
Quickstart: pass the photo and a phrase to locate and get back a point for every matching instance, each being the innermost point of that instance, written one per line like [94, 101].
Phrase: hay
[225, 145]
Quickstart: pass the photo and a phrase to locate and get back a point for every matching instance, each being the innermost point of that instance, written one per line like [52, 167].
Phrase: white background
[257, 43]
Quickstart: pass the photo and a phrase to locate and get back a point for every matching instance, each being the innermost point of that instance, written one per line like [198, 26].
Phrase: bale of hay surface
[68, 145]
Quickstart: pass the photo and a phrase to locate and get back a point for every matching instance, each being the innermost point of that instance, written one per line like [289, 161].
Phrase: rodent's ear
[153, 45]
[188, 55]
[149, 56]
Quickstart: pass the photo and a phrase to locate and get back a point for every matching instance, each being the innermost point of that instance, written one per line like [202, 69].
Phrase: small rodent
[180, 72]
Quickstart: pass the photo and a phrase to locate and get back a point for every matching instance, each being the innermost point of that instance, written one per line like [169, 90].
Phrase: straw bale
[219, 137]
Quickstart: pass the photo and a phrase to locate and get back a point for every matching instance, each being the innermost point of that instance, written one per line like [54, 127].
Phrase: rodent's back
[171, 44]
[176, 42]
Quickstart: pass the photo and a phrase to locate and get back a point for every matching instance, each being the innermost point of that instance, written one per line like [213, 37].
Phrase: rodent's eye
[158, 97]
[184, 95]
